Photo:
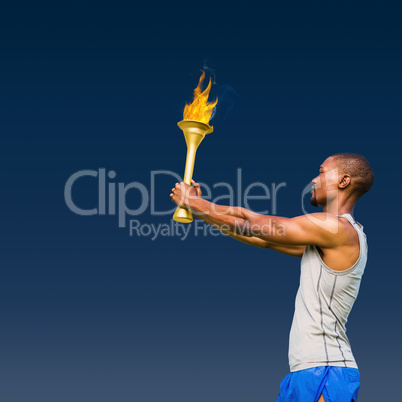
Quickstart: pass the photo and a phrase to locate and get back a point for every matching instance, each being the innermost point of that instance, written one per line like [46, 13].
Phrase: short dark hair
[359, 169]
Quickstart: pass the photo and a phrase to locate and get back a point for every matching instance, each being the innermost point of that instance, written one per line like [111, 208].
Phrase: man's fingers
[197, 188]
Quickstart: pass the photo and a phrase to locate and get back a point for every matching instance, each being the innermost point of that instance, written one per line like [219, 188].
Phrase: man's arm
[295, 251]
[320, 229]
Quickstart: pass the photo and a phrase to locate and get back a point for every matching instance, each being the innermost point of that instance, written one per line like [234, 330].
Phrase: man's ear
[344, 181]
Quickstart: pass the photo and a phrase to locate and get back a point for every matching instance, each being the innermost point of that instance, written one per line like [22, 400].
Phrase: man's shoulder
[323, 221]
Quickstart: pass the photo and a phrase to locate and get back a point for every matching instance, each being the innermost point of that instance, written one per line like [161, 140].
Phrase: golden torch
[195, 126]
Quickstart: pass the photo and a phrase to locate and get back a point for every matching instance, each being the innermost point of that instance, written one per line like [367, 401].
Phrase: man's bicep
[318, 229]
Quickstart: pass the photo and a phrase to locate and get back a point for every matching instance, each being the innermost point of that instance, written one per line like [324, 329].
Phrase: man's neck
[338, 208]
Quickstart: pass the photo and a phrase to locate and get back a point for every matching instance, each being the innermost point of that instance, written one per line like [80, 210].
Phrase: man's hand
[182, 193]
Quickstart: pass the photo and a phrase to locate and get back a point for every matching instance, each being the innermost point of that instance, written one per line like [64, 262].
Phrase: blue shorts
[336, 384]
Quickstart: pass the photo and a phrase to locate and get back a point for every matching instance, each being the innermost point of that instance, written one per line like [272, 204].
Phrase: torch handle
[190, 160]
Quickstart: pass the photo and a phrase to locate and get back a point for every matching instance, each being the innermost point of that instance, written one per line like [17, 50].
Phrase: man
[333, 249]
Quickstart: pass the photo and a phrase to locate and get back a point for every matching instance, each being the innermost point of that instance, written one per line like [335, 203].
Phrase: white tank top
[323, 303]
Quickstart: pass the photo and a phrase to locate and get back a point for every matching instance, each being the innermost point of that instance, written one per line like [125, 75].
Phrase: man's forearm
[232, 219]
[250, 240]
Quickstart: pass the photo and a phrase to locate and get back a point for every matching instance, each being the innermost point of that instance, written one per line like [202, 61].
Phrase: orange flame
[200, 109]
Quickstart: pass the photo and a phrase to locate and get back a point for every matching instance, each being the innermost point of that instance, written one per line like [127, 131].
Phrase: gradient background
[92, 314]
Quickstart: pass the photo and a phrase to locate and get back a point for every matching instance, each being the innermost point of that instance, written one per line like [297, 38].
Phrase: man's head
[348, 173]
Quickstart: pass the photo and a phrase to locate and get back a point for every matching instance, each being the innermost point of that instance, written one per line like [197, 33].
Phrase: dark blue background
[92, 314]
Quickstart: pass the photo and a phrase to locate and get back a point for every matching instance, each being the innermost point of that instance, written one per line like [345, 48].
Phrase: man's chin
[313, 201]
